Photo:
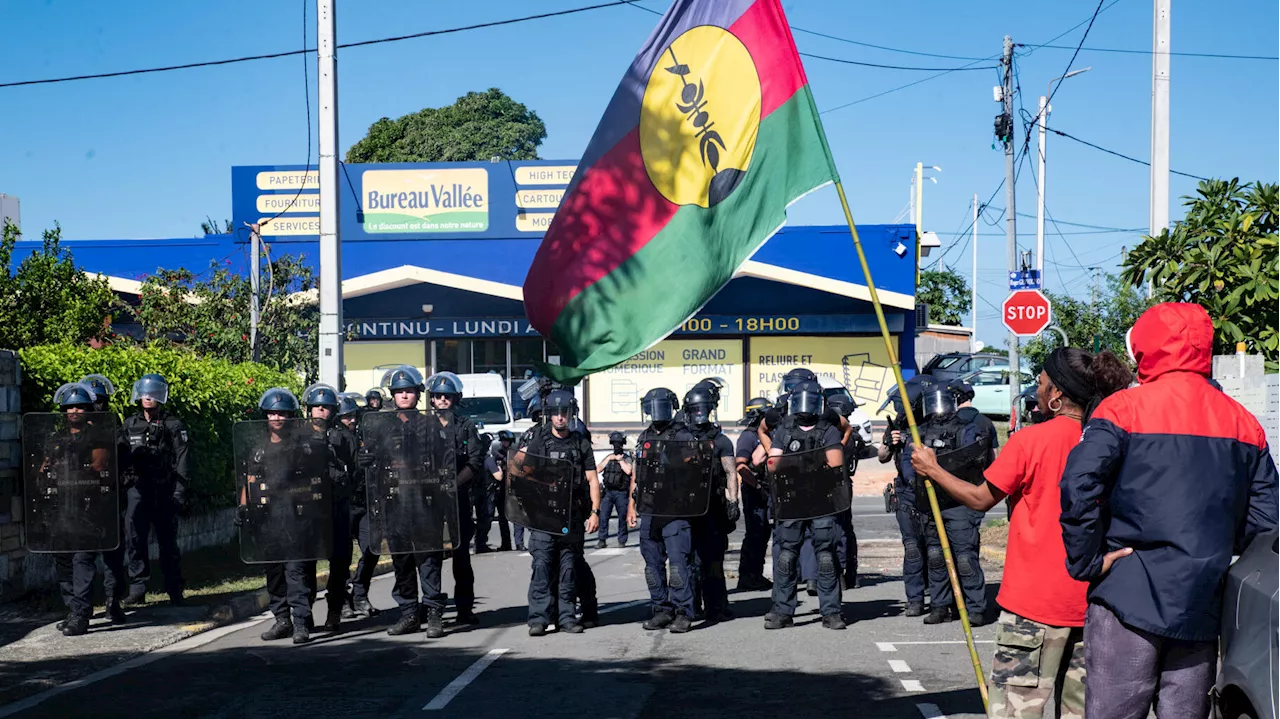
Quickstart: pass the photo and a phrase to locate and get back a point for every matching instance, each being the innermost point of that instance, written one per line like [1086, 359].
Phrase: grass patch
[995, 534]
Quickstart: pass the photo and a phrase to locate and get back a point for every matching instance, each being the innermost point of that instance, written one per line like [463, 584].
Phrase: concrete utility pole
[1042, 119]
[1010, 209]
[973, 300]
[255, 286]
[1160, 47]
[330, 243]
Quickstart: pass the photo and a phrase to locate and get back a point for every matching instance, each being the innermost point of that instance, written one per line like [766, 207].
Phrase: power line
[895, 67]
[290, 53]
[1118, 154]
[883, 47]
[1219, 56]
[900, 87]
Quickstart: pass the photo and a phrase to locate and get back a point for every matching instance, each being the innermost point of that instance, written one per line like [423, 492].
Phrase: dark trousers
[755, 515]
[846, 552]
[614, 499]
[481, 504]
[710, 544]
[152, 508]
[519, 535]
[962, 525]
[340, 560]
[1128, 671]
[291, 587]
[499, 494]
[428, 566]
[790, 537]
[75, 578]
[368, 561]
[668, 543]
[913, 553]
[556, 559]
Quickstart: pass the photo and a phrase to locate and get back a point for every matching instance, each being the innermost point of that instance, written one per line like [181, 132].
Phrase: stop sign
[1026, 312]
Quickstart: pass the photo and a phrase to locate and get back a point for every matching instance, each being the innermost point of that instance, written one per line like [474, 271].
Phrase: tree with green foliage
[49, 299]
[947, 295]
[479, 126]
[209, 314]
[1100, 323]
[1223, 256]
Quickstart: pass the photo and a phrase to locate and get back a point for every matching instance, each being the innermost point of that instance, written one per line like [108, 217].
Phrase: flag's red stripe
[613, 212]
[763, 30]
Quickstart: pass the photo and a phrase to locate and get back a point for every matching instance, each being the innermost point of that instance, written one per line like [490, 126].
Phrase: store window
[524, 352]
[453, 356]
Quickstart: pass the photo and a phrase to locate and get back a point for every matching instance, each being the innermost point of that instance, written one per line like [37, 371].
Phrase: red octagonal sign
[1026, 312]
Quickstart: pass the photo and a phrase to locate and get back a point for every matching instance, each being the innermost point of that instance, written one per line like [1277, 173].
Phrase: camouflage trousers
[1037, 665]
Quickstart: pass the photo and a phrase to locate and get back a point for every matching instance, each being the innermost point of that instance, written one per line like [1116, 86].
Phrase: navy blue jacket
[1174, 469]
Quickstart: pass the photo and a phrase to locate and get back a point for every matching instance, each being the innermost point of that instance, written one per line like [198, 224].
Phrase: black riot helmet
[754, 411]
[806, 402]
[795, 377]
[486, 440]
[446, 383]
[321, 395]
[374, 399]
[349, 403]
[560, 401]
[713, 385]
[278, 399]
[74, 394]
[659, 405]
[618, 440]
[102, 390]
[402, 378]
[151, 386]
[534, 409]
[916, 387]
[938, 403]
[963, 391]
[506, 435]
[700, 404]
[842, 404]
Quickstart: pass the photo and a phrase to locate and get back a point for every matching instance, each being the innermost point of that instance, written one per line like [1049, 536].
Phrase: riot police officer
[323, 405]
[373, 399]
[445, 391]
[754, 490]
[665, 542]
[102, 391]
[76, 570]
[615, 477]
[711, 531]
[495, 465]
[358, 605]
[557, 560]
[803, 430]
[482, 500]
[843, 405]
[900, 498]
[158, 446]
[945, 430]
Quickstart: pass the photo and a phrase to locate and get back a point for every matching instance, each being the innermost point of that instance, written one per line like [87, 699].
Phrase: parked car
[991, 390]
[1246, 686]
[946, 367]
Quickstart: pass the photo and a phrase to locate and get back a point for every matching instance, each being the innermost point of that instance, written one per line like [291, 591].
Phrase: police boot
[520, 546]
[833, 621]
[435, 623]
[537, 630]
[914, 609]
[281, 629]
[76, 625]
[137, 595]
[571, 627]
[777, 621]
[754, 583]
[332, 620]
[63, 623]
[406, 624]
[301, 633]
[467, 617]
[680, 624]
[115, 614]
[659, 620]
[938, 615]
[601, 544]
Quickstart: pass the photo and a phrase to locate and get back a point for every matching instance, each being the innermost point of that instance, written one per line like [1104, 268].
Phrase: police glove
[242, 515]
[364, 460]
[733, 512]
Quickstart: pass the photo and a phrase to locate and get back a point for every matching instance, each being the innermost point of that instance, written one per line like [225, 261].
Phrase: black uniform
[343, 447]
[711, 531]
[914, 577]
[495, 462]
[557, 559]
[159, 460]
[963, 525]
[470, 465]
[615, 495]
[667, 544]
[755, 510]
[291, 586]
[358, 528]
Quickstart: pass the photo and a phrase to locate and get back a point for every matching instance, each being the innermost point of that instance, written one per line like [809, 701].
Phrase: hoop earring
[1057, 409]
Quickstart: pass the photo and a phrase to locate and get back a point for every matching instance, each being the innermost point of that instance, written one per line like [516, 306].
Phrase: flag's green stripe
[697, 252]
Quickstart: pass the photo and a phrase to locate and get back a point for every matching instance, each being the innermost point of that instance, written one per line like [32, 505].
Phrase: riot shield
[71, 482]
[540, 492]
[806, 487]
[967, 462]
[411, 480]
[283, 485]
[673, 479]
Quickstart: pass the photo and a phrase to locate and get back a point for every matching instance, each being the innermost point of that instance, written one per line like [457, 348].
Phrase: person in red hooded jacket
[1169, 480]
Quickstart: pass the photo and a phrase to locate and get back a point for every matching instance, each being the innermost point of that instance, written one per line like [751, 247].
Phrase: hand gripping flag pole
[915, 437]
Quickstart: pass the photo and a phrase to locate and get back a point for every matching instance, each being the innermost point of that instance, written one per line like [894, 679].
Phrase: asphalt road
[884, 665]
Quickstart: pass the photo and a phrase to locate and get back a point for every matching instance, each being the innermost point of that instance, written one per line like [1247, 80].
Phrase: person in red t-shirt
[1039, 645]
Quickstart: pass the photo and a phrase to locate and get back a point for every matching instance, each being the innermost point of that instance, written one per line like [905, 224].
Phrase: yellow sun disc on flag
[700, 116]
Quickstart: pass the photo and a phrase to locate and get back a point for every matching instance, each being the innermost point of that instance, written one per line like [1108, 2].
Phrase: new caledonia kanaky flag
[710, 136]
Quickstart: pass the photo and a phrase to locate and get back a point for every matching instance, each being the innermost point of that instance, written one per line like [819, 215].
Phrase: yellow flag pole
[915, 437]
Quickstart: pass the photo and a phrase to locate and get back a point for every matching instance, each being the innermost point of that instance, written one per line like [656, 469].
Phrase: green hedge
[208, 395]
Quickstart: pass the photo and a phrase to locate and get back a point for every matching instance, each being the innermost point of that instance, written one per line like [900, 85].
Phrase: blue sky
[150, 156]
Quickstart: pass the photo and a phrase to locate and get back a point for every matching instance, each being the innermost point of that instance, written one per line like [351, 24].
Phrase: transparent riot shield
[540, 492]
[411, 481]
[673, 479]
[806, 487]
[71, 482]
[284, 489]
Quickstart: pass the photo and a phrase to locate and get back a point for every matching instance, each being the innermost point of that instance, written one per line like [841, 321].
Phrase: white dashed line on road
[886, 647]
[957, 641]
[912, 685]
[456, 686]
[899, 666]
[930, 711]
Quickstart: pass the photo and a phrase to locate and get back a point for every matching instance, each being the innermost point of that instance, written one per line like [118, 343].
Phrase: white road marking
[956, 641]
[610, 552]
[447, 694]
[899, 666]
[624, 605]
[911, 685]
[931, 711]
[886, 647]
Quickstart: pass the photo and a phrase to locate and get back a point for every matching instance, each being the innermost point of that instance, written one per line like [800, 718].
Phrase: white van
[485, 400]
[860, 420]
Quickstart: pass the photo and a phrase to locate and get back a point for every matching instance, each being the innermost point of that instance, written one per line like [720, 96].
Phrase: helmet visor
[805, 402]
[939, 402]
[658, 409]
[150, 388]
[700, 412]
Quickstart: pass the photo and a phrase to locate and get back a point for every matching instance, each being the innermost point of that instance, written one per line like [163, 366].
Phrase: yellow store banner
[859, 363]
[614, 395]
